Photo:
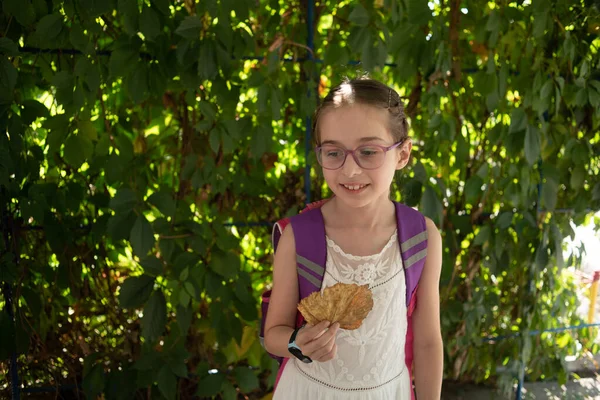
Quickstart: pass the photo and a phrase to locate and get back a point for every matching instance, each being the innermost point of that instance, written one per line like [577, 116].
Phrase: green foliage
[132, 133]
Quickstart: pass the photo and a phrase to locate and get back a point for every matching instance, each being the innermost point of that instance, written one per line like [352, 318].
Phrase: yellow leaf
[248, 338]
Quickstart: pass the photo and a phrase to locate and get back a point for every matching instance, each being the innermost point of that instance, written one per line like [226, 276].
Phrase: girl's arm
[316, 342]
[281, 318]
[428, 346]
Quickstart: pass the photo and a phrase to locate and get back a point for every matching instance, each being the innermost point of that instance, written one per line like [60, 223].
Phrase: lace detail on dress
[373, 354]
[337, 249]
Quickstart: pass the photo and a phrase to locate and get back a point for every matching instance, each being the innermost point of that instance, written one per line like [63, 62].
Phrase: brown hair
[368, 92]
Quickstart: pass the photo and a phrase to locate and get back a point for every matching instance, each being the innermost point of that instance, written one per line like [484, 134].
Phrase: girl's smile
[354, 188]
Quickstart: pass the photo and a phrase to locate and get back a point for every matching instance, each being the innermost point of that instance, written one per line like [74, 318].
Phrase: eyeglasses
[369, 156]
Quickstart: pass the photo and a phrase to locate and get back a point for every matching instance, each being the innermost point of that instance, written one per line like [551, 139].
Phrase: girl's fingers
[323, 341]
[310, 333]
[329, 355]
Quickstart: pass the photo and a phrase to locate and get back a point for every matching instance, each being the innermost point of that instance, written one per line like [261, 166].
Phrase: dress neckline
[338, 249]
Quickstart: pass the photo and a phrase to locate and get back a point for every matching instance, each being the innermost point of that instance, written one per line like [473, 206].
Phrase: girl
[361, 133]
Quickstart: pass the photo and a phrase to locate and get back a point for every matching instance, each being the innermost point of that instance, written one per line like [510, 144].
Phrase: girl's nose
[350, 167]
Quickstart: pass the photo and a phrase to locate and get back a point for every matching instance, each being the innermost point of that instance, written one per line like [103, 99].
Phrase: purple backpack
[311, 256]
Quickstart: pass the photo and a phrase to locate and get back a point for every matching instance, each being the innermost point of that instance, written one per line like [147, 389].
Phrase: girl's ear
[404, 154]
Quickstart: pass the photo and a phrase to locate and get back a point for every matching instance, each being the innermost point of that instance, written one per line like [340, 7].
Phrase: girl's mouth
[354, 187]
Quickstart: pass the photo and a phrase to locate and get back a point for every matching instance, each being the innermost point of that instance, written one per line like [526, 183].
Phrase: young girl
[361, 133]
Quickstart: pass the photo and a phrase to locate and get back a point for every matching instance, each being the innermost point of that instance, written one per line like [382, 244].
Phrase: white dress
[370, 361]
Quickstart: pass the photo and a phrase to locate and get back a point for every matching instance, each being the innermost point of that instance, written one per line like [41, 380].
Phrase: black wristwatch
[295, 350]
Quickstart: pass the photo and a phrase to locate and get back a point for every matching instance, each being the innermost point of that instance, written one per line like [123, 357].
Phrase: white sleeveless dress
[370, 361]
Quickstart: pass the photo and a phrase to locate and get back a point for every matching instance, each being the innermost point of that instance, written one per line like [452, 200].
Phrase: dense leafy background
[136, 135]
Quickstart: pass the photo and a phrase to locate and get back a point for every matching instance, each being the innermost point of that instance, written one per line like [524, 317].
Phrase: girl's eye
[368, 151]
[332, 152]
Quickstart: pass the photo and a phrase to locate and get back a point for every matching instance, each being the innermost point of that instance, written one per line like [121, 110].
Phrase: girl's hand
[318, 341]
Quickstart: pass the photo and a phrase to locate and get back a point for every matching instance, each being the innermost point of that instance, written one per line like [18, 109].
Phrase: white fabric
[370, 361]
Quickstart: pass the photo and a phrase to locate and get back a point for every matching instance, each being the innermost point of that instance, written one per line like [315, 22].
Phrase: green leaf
[190, 289]
[412, 192]
[135, 291]
[8, 47]
[119, 225]
[8, 74]
[596, 192]
[22, 11]
[577, 177]
[209, 111]
[210, 385]
[473, 189]
[184, 318]
[483, 236]
[164, 202]
[359, 15]
[141, 236]
[581, 98]
[225, 264]
[532, 145]
[518, 120]
[246, 379]
[493, 22]
[124, 200]
[78, 38]
[228, 391]
[594, 97]
[162, 6]
[49, 27]
[8, 269]
[547, 89]
[87, 129]
[32, 110]
[420, 172]
[418, 12]
[549, 195]
[167, 383]
[431, 205]
[137, 84]
[94, 381]
[207, 60]
[214, 140]
[540, 21]
[178, 367]
[78, 149]
[152, 266]
[184, 298]
[149, 23]
[504, 220]
[122, 60]
[155, 316]
[190, 28]
[129, 11]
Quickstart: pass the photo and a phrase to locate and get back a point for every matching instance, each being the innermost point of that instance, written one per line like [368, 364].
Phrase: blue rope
[250, 224]
[51, 389]
[308, 125]
[14, 370]
[538, 332]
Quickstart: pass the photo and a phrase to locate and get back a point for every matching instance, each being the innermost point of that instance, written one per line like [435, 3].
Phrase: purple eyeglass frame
[351, 152]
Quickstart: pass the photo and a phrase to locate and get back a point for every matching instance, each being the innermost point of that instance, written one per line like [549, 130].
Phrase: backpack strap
[311, 250]
[280, 225]
[412, 237]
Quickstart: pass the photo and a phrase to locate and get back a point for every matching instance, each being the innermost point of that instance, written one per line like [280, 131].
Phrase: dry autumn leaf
[348, 304]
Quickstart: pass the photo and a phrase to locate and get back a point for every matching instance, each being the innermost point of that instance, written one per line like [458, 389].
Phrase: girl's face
[349, 127]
